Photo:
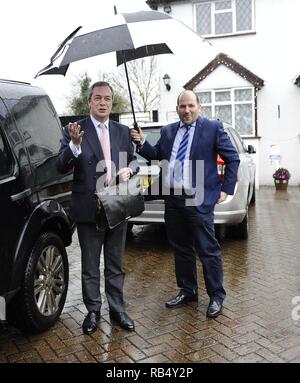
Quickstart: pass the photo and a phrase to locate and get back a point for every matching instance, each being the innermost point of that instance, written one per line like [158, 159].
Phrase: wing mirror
[251, 149]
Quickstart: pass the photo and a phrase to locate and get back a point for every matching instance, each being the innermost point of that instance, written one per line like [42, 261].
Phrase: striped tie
[180, 156]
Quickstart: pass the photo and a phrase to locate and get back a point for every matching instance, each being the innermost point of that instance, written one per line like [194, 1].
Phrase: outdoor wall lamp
[167, 8]
[166, 80]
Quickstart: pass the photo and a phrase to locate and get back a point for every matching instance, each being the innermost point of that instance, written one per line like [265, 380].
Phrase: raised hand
[75, 133]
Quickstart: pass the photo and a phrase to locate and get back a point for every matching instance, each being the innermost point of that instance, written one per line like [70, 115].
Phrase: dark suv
[35, 226]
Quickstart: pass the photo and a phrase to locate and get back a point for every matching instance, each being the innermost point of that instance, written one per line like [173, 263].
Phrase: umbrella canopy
[130, 35]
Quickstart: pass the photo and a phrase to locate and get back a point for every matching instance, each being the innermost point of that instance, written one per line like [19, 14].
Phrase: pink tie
[104, 141]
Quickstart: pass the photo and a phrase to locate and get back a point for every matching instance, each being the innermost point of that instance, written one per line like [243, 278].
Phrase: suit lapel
[197, 136]
[91, 136]
[171, 138]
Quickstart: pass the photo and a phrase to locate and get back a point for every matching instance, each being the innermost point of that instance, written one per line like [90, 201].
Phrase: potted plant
[281, 178]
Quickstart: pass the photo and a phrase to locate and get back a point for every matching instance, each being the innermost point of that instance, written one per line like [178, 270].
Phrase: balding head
[191, 92]
[188, 106]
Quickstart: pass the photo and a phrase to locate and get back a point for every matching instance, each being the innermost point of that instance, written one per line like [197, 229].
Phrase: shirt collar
[96, 122]
[181, 124]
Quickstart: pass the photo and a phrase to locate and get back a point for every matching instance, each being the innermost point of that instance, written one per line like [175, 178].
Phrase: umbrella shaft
[130, 95]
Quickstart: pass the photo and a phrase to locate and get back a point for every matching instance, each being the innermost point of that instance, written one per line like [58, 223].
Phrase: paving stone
[247, 348]
[154, 350]
[201, 354]
[139, 342]
[155, 359]
[176, 357]
[218, 359]
[70, 349]
[45, 351]
[85, 357]
[124, 359]
[225, 352]
[250, 358]
[291, 354]
[93, 347]
[55, 342]
[269, 356]
[133, 352]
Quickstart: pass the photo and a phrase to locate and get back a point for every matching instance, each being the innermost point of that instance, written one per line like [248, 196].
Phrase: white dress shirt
[76, 150]
[185, 183]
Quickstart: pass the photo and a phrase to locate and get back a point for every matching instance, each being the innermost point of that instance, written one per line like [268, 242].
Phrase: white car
[233, 212]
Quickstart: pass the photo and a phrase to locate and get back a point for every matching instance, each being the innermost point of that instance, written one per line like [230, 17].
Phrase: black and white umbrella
[130, 35]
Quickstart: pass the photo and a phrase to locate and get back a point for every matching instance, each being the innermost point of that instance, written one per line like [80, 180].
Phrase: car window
[152, 136]
[5, 159]
[42, 140]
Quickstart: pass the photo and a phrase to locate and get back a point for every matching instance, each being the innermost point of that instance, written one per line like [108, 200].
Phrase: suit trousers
[91, 240]
[191, 232]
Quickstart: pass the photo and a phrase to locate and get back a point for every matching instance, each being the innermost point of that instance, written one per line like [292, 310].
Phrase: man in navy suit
[190, 148]
[86, 146]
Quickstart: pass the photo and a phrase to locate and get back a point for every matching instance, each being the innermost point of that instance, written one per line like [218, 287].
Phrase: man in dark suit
[85, 147]
[190, 148]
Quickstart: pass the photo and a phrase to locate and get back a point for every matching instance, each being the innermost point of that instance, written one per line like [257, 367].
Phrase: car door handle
[22, 195]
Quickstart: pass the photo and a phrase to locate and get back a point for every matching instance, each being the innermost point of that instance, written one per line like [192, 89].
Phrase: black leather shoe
[180, 299]
[89, 324]
[122, 319]
[214, 309]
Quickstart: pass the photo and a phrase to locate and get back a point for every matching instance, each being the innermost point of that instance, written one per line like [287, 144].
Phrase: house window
[226, 17]
[234, 106]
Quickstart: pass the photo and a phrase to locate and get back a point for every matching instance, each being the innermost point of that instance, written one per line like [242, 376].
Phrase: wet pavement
[260, 323]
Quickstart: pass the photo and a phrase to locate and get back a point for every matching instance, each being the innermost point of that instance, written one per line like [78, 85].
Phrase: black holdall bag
[120, 202]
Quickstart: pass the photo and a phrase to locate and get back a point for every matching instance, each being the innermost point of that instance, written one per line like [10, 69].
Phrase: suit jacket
[84, 166]
[209, 140]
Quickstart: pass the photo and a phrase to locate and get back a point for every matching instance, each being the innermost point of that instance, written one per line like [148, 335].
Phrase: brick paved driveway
[262, 275]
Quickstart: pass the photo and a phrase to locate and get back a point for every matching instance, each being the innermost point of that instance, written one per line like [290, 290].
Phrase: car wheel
[252, 201]
[43, 294]
[241, 230]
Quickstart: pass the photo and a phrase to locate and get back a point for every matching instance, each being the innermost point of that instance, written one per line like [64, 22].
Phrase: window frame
[214, 11]
[232, 102]
[8, 176]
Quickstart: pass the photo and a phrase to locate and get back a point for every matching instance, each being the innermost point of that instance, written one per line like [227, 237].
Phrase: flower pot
[281, 184]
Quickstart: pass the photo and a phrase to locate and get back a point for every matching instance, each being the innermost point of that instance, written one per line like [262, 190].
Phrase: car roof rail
[14, 81]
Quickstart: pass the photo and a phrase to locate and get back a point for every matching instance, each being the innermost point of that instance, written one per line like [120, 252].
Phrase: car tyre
[241, 230]
[252, 201]
[45, 284]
